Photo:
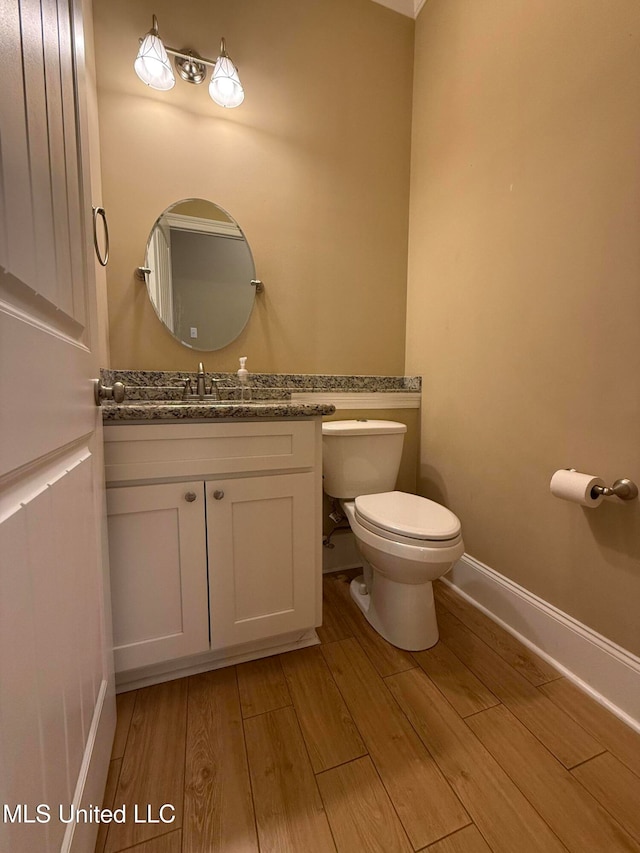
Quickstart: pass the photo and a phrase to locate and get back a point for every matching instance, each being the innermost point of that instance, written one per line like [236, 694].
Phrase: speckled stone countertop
[157, 410]
[157, 395]
[165, 384]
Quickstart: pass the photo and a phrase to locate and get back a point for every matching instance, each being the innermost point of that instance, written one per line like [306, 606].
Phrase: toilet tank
[360, 457]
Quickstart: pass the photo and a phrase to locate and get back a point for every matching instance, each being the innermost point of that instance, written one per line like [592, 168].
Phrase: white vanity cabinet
[158, 558]
[214, 539]
[260, 541]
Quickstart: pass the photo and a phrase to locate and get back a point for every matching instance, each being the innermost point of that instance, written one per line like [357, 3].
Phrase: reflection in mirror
[199, 274]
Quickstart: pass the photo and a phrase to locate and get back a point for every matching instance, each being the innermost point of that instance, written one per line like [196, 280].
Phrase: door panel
[260, 538]
[22, 753]
[157, 549]
[51, 623]
[56, 702]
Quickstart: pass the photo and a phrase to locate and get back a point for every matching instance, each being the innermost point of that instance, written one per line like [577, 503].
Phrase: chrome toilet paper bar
[624, 489]
[589, 490]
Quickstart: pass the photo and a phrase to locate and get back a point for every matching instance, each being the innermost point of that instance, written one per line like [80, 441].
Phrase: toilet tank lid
[362, 427]
[408, 515]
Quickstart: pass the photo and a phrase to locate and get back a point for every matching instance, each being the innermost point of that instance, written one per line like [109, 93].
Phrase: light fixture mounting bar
[190, 56]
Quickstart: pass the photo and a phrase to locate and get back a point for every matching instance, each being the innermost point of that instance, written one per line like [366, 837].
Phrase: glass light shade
[225, 87]
[152, 64]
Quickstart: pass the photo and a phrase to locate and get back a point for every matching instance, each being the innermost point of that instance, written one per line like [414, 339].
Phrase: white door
[56, 681]
[261, 539]
[158, 559]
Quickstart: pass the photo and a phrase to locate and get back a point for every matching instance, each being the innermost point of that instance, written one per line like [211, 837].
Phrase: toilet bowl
[406, 541]
[395, 592]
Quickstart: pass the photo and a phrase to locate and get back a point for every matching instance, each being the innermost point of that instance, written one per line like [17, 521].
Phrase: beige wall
[314, 166]
[524, 287]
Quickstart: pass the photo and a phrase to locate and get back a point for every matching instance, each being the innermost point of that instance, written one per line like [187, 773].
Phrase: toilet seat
[400, 557]
[402, 517]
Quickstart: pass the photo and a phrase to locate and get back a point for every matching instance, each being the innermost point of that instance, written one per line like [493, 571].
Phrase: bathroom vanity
[214, 534]
[215, 515]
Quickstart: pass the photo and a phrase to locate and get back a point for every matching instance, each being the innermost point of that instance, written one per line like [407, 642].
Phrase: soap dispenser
[243, 379]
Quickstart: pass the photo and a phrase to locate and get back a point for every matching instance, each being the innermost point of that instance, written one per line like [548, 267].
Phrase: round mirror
[199, 273]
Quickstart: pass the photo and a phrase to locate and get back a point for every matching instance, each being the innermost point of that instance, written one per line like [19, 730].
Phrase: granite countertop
[159, 410]
[157, 395]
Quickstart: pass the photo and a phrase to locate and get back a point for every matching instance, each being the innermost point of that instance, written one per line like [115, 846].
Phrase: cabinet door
[157, 549]
[262, 563]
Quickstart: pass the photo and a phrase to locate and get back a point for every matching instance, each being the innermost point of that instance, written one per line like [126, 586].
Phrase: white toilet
[406, 541]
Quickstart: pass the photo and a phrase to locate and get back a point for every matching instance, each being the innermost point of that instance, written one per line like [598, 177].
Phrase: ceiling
[410, 8]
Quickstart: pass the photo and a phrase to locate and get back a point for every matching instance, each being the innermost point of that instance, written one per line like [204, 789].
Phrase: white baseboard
[609, 673]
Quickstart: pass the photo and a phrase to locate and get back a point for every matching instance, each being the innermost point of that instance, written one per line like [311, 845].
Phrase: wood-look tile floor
[475, 745]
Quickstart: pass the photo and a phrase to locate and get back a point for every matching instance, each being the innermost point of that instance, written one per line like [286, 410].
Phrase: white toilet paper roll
[576, 487]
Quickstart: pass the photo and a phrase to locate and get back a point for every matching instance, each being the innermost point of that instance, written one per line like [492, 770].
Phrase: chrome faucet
[188, 390]
[201, 390]
[200, 382]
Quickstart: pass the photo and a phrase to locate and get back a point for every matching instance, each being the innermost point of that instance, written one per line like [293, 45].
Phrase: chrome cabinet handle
[190, 497]
[100, 212]
[218, 494]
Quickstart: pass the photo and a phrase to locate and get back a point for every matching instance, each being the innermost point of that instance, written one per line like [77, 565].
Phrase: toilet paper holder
[623, 488]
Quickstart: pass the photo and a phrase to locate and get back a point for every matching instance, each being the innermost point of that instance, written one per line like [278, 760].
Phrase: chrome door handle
[113, 392]
[218, 494]
[103, 257]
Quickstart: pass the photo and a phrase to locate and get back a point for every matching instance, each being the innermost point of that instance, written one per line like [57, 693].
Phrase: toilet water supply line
[337, 516]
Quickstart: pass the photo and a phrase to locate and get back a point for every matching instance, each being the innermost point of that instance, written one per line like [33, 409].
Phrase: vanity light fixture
[153, 67]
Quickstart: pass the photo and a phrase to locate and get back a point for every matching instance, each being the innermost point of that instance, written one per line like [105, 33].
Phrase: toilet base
[403, 614]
